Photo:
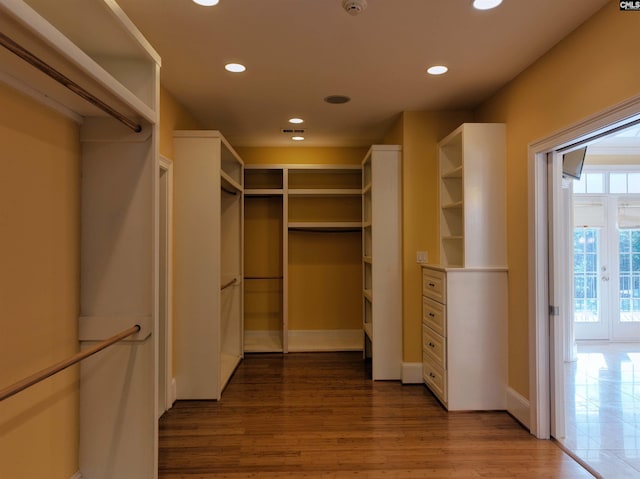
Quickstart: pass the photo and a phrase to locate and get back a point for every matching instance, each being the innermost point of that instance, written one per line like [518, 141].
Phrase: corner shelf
[472, 228]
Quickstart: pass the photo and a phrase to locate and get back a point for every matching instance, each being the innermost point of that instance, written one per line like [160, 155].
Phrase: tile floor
[602, 392]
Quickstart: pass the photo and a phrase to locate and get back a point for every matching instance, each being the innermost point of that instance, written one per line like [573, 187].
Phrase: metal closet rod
[48, 70]
[43, 374]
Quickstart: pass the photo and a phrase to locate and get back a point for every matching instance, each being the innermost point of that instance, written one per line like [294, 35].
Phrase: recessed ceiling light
[486, 4]
[296, 120]
[235, 67]
[337, 99]
[206, 3]
[437, 70]
[297, 138]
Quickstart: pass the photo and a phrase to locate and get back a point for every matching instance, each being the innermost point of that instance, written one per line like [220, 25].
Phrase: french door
[606, 272]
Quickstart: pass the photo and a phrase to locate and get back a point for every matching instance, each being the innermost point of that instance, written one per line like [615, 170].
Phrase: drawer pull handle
[431, 345]
[431, 315]
[432, 376]
[432, 285]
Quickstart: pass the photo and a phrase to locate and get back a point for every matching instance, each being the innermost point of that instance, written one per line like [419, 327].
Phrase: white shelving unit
[382, 260]
[264, 273]
[464, 302]
[311, 198]
[208, 202]
[119, 194]
[472, 196]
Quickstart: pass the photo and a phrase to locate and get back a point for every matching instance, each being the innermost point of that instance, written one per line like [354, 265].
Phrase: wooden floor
[319, 416]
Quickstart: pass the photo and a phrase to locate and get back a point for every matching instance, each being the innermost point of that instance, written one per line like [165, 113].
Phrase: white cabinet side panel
[196, 268]
[477, 340]
[387, 265]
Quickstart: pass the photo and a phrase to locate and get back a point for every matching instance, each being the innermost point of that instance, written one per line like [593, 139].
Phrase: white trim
[325, 340]
[263, 341]
[539, 374]
[518, 407]
[412, 373]
[166, 165]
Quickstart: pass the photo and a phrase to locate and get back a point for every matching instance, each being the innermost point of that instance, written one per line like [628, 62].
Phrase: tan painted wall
[419, 133]
[595, 67]
[173, 116]
[39, 287]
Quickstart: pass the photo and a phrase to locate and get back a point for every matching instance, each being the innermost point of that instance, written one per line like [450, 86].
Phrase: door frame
[540, 375]
[165, 345]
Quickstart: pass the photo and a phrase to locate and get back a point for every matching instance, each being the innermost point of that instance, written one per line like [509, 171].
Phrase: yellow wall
[419, 133]
[595, 67]
[39, 287]
[173, 116]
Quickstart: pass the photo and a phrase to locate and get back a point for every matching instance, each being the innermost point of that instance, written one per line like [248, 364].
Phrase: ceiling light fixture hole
[337, 99]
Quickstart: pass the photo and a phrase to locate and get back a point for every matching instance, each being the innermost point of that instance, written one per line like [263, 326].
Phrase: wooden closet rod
[228, 191]
[48, 70]
[56, 368]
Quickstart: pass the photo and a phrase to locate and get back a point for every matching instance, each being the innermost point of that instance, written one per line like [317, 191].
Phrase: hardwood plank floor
[318, 415]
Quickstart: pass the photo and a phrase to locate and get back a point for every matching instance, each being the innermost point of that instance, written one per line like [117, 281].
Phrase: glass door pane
[587, 291]
[626, 324]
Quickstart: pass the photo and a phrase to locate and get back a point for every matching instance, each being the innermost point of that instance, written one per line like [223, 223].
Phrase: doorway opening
[566, 285]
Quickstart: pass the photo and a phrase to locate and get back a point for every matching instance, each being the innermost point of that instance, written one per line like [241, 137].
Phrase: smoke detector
[354, 7]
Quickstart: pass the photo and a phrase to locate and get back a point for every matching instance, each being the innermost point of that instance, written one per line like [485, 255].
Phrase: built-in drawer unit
[464, 324]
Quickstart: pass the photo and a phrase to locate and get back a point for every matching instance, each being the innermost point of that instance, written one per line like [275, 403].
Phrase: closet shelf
[453, 206]
[264, 192]
[325, 192]
[454, 173]
[329, 225]
[368, 329]
[366, 189]
[45, 31]
[229, 183]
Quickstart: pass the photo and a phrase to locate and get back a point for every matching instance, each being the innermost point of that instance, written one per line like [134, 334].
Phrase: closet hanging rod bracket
[65, 81]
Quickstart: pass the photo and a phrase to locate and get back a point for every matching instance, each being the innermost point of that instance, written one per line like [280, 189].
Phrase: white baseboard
[77, 475]
[518, 407]
[173, 393]
[262, 341]
[325, 340]
[412, 373]
[304, 340]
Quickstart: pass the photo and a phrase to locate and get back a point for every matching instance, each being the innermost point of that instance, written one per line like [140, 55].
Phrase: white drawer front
[435, 378]
[434, 346]
[433, 315]
[434, 285]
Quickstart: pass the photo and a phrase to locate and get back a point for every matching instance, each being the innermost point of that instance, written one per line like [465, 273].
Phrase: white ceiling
[299, 51]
